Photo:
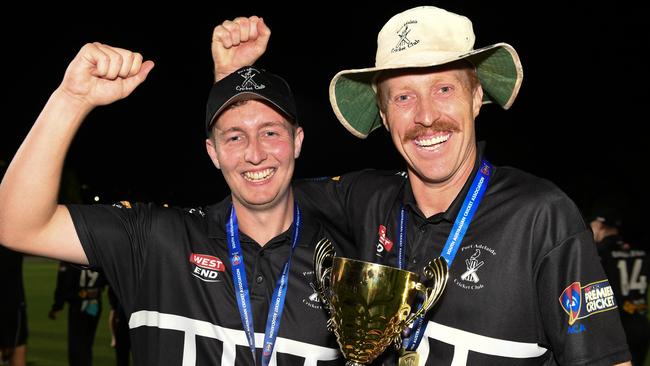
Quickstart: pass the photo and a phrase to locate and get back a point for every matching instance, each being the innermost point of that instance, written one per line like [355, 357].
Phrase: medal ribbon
[243, 294]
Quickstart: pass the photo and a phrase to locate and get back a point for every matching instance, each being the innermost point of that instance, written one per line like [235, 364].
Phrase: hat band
[420, 59]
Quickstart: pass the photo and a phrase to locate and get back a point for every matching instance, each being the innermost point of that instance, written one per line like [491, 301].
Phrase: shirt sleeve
[577, 305]
[114, 239]
[325, 200]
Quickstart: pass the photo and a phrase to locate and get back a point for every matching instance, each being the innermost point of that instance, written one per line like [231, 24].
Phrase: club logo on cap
[249, 84]
[404, 42]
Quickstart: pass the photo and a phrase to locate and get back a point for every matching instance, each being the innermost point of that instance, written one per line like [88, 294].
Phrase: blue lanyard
[241, 287]
[463, 219]
[401, 246]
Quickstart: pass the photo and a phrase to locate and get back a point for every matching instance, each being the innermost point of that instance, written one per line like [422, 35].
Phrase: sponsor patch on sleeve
[580, 302]
[122, 204]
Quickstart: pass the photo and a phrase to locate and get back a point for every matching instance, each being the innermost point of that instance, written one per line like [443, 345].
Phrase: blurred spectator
[627, 269]
[13, 314]
[119, 326]
[82, 289]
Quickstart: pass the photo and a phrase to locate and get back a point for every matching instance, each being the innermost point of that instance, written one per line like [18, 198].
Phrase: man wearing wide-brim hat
[408, 42]
[525, 284]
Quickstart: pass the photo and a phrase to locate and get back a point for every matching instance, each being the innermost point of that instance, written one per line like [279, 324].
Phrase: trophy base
[353, 363]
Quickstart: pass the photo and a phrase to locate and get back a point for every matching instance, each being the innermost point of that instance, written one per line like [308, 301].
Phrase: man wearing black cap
[628, 271]
[223, 285]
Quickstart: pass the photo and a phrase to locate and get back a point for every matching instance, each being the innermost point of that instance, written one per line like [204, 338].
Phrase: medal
[409, 358]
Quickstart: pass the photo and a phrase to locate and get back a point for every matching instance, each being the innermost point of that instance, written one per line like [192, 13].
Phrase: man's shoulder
[142, 212]
[538, 199]
[527, 186]
[365, 178]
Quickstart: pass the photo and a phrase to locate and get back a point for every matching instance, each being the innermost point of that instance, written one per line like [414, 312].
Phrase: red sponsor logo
[207, 261]
[386, 243]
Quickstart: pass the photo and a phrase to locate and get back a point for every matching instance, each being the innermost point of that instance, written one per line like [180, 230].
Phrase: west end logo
[404, 42]
[476, 256]
[249, 82]
[206, 267]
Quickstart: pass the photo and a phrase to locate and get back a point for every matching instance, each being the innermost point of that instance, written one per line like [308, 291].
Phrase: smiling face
[430, 115]
[255, 147]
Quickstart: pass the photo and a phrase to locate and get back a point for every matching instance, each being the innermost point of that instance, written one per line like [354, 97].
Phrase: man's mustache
[437, 126]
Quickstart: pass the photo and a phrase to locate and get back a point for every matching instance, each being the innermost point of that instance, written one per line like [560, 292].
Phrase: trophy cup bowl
[370, 304]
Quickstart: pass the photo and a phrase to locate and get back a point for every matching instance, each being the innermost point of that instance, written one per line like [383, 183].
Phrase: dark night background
[577, 120]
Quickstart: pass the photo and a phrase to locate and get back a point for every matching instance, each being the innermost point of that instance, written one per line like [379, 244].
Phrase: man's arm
[237, 43]
[31, 221]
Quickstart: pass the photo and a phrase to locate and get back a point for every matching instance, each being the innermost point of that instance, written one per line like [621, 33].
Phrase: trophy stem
[352, 363]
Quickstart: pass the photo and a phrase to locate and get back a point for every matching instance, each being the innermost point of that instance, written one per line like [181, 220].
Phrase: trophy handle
[323, 255]
[438, 272]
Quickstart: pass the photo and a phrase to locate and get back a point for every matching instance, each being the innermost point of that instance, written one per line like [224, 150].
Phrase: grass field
[47, 343]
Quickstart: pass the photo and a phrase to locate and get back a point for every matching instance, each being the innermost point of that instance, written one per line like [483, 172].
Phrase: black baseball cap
[250, 83]
[610, 216]
[607, 209]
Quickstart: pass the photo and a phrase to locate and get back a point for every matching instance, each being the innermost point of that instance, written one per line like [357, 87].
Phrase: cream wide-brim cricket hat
[424, 36]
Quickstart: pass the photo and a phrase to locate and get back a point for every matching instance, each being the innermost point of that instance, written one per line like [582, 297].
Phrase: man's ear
[383, 119]
[299, 135]
[212, 152]
[382, 110]
[478, 100]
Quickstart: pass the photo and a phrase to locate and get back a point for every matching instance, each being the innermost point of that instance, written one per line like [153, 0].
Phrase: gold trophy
[370, 304]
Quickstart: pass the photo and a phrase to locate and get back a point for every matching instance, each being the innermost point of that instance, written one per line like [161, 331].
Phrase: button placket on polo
[259, 276]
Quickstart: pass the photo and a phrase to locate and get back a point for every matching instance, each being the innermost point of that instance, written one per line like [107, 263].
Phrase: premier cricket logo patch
[580, 302]
[571, 301]
[206, 267]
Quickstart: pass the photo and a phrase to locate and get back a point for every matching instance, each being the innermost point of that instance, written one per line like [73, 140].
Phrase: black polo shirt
[526, 246]
[171, 271]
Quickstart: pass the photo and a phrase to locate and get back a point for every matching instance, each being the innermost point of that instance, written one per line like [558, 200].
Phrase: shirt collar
[408, 198]
[219, 213]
